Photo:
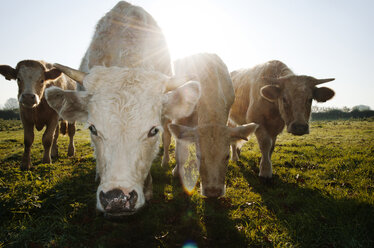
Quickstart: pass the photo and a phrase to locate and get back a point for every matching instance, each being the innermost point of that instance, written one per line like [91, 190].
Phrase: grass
[321, 196]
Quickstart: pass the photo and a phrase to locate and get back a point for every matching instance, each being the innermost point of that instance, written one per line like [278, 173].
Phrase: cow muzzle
[116, 202]
[28, 100]
[213, 192]
[298, 128]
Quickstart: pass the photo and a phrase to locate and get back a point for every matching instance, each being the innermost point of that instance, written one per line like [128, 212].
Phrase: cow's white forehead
[125, 99]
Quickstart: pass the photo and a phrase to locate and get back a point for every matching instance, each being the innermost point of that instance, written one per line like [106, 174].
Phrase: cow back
[217, 93]
[127, 36]
[249, 106]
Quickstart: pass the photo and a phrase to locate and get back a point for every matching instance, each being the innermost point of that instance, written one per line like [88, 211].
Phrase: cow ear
[52, 74]
[181, 101]
[323, 94]
[270, 92]
[183, 132]
[242, 132]
[8, 72]
[69, 104]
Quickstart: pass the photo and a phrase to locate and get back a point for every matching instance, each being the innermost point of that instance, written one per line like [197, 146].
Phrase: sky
[319, 38]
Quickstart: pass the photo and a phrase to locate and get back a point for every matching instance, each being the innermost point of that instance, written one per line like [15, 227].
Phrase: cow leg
[148, 187]
[266, 145]
[54, 151]
[166, 140]
[47, 140]
[181, 156]
[274, 139]
[71, 133]
[28, 139]
[235, 151]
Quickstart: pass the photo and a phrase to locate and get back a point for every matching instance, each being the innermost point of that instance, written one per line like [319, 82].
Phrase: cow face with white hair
[123, 108]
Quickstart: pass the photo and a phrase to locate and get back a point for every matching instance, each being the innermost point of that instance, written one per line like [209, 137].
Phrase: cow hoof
[165, 163]
[25, 167]
[71, 152]
[25, 164]
[46, 160]
[54, 155]
[266, 180]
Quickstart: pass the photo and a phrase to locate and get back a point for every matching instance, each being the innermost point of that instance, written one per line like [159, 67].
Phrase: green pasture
[322, 195]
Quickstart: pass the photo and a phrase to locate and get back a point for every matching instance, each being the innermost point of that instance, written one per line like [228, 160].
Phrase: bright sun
[193, 27]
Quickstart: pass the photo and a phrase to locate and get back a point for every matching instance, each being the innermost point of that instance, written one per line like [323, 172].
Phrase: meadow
[322, 195]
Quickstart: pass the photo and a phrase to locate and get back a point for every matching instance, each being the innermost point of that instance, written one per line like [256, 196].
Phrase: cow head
[32, 78]
[294, 95]
[212, 151]
[123, 109]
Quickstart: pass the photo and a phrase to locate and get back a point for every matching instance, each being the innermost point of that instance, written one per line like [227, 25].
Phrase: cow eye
[153, 131]
[93, 129]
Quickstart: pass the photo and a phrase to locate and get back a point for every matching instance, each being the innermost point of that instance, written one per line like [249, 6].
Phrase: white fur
[123, 111]
[128, 68]
[32, 77]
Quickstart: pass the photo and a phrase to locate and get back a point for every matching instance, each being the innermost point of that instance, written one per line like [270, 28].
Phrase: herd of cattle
[125, 91]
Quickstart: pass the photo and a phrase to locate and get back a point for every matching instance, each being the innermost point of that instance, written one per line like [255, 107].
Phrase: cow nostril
[30, 96]
[116, 201]
[133, 199]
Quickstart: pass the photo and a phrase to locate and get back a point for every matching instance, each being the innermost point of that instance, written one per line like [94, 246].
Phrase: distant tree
[316, 109]
[11, 104]
[346, 109]
[361, 108]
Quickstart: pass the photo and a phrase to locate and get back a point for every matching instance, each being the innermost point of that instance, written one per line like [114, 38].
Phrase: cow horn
[176, 81]
[322, 81]
[72, 73]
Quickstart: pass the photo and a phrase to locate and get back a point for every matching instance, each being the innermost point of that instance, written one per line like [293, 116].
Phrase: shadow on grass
[312, 216]
[202, 221]
[67, 216]
[221, 231]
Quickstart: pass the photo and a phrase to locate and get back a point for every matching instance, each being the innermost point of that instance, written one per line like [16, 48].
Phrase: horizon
[320, 38]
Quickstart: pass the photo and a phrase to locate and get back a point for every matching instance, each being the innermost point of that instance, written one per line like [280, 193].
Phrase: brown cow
[32, 78]
[273, 96]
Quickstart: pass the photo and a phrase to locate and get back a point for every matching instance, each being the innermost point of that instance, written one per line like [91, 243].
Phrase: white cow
[127, 94]
[206, 126]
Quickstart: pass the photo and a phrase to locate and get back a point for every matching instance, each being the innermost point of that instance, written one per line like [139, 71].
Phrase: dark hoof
[25, 167]
[267, 180]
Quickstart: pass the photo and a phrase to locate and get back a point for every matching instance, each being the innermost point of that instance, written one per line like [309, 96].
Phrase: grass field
[322, 195]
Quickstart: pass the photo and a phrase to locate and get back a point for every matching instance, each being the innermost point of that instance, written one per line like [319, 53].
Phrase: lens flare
[190, 244]
[190, 171]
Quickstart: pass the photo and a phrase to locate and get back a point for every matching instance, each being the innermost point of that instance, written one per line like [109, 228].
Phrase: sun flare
[194, 27]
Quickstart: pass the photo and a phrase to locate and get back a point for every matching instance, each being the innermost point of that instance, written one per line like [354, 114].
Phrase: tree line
[341, 113]
[10, 111]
